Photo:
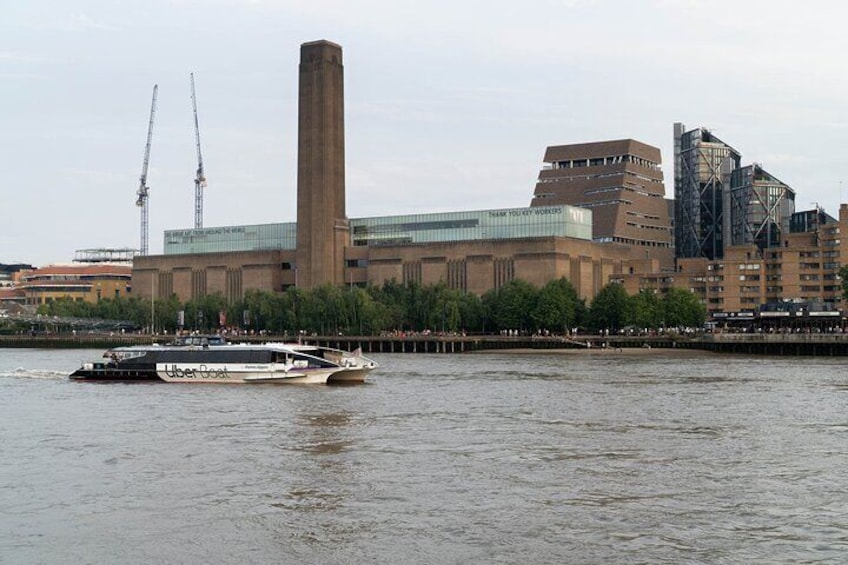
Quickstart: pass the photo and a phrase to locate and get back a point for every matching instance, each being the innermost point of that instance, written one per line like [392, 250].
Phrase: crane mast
[143, 190]
[200, 178]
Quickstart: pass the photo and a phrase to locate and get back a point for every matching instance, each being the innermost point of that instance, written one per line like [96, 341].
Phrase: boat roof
[195, 342]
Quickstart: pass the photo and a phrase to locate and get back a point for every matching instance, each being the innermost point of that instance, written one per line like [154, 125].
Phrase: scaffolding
[105, 255]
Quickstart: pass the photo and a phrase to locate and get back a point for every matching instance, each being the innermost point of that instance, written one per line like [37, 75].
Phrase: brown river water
[580, 457]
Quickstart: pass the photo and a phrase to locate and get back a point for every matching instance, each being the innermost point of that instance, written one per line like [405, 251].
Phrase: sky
[448, 105]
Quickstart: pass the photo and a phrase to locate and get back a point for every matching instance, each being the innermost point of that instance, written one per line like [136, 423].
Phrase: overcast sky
[449, 105]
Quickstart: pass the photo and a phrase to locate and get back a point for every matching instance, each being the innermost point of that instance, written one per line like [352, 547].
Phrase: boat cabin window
[306, 360]
[200, 340]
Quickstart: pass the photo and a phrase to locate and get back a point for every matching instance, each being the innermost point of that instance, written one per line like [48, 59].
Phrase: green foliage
[609, 308]
[512, 306]
[682, 308]
[328, 310]
[392, 297]
[557, 307]
[644, 310]
[120, 308]
[472, 313]
[165, 311]
[203, 314]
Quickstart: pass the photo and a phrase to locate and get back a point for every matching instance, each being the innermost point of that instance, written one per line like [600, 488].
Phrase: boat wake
[22, 373]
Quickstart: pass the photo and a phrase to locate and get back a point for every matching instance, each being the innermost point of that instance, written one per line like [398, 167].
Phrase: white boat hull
[237, 373]
[350, 375]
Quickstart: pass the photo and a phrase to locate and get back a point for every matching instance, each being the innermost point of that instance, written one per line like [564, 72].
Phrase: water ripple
[485, 458]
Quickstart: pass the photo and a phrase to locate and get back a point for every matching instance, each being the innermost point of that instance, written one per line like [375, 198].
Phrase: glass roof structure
[498, 224]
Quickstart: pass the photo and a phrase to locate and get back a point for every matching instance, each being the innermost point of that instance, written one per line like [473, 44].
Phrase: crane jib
[200, 179]
[143, 190]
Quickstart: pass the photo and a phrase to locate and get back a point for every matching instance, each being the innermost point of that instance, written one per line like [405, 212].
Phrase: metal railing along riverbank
[812, 344]
[405, 343]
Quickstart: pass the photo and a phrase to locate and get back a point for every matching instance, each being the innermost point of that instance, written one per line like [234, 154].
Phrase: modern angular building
[760, 207]
[702, 169]
[741, 246]
[621, 181]
[719, 203]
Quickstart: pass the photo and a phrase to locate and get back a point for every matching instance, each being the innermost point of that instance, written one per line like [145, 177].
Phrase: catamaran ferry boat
[211, 359]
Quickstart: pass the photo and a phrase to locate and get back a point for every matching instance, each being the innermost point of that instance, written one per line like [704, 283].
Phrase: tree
[644, 310]
[202, 313]
[609, 307]
[392, 297]
[472, 313]
[66, 306]
[165, 310]
[418, 305]
[682, 308]
[558, 307]
[366, 318]
[513, 304]
[444, 313]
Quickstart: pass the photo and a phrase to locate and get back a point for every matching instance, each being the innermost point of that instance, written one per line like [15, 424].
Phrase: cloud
[21, 58]
[21, 76]
[73, 23]
[83, 22]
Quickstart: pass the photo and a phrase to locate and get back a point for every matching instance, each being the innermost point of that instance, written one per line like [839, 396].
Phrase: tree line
[330, 310]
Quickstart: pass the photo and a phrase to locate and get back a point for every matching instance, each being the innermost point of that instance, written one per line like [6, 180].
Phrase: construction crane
[200, 178]
[143, 190]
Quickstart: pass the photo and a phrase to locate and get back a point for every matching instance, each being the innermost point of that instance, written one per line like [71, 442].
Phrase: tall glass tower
[760, 207]
[702, 169]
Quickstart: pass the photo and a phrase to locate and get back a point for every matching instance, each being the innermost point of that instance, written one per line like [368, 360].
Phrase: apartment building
[803, 269]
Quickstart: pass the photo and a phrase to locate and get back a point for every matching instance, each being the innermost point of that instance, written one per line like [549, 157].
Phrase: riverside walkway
[812, 344]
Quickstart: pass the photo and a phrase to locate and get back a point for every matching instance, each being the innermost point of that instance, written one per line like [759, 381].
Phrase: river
[580, 457]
